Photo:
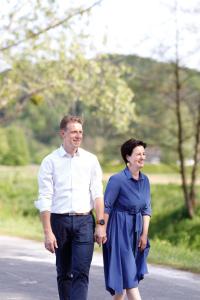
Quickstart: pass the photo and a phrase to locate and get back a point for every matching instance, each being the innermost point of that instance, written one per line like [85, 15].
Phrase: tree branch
[51, 26]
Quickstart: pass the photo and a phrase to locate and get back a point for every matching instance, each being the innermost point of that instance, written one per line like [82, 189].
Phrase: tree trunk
[192, 195]
[179, 121]
[180, 141]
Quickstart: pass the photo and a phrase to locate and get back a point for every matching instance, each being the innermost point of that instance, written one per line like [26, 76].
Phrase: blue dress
[126, 201]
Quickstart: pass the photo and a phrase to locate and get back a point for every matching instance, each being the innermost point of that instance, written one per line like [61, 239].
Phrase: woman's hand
[142, 242]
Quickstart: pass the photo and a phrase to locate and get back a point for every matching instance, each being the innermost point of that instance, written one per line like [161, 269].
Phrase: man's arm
[49, 238]
[43, 203]
[100, 230]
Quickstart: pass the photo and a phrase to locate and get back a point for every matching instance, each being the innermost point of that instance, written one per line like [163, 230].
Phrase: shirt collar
[129, 175]
[62, 152]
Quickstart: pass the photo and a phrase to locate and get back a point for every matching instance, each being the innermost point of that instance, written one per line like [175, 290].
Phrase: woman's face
[136, 159]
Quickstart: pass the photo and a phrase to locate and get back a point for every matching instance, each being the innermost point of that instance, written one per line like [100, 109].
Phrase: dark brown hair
[128, 146]
[68, 119]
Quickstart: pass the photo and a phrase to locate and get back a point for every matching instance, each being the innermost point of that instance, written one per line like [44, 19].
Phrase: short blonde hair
[70, 119]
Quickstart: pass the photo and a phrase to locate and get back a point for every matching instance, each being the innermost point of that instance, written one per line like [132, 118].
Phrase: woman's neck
[135, 172]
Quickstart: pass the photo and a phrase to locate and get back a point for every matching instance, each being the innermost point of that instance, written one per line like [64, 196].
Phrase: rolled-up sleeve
[45, 183]
[96, 186]
[111, 193]
[147, 208]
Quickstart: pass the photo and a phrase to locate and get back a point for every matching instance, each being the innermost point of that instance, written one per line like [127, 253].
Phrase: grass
[164, 253]
[170, 222]
[29, 228]
[116, 166]
[175, 240]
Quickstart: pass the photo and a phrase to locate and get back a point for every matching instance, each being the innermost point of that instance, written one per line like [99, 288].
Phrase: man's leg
[63, 267]
[61, 227]
[82, 251]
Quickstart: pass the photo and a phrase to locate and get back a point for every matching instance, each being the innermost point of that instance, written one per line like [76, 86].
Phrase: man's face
[72, 136]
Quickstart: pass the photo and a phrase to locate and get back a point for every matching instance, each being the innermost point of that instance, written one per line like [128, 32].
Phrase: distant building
[188, 162]
[153, 155]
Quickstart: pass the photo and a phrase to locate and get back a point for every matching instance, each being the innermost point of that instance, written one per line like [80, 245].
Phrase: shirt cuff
[42, 206]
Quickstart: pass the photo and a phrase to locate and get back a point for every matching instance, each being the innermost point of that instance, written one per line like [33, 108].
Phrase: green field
[175, 240]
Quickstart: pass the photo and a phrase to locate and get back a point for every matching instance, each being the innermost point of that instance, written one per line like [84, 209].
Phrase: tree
[23, 23]
[44, 73]
[30, 31]
[181, 95]
[171, 119]
[189, 192]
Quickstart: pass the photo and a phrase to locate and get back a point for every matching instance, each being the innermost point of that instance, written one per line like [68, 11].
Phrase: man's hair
[128, 146]
[70, 119]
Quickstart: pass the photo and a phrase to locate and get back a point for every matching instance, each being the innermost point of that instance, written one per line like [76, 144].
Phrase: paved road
[27, 272]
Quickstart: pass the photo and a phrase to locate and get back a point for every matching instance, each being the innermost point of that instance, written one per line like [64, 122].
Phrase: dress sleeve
[147, 208]
[111, 193]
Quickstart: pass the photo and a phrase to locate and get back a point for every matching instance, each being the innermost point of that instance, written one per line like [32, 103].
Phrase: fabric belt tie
[138, 220]
[138, 229]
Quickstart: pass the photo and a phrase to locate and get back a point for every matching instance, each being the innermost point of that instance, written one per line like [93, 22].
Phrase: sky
[126, 23]
[147, 28]
[142, 27]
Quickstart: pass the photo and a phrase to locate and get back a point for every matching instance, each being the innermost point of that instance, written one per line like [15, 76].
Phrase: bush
[18, 151]
[4, 147]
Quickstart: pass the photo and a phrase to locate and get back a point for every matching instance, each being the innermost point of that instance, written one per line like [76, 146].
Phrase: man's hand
[100, 234]
[142, 242]
[50, 242]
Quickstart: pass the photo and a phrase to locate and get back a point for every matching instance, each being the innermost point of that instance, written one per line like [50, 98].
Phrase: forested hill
[119, 97]
[156, 86]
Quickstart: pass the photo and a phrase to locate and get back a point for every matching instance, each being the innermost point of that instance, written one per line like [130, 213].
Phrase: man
[70, 186]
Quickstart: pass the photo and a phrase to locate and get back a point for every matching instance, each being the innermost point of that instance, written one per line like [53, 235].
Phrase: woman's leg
[119, 296]
[133, 294]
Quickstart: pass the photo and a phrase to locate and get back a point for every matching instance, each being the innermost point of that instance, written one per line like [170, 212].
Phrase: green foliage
[164, 253]
[37, 99]
[169, 221]
[18, 188]
[174, 238]
[38, 151]
[116, 166]
[153, 84]
[4, 146]
[17, 150]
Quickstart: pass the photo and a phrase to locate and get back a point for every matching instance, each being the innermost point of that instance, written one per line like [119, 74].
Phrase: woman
[127, 216]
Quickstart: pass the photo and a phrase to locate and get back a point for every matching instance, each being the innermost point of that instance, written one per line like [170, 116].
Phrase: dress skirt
[124, 264]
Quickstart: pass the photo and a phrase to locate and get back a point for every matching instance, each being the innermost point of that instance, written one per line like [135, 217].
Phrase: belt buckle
[71, 214]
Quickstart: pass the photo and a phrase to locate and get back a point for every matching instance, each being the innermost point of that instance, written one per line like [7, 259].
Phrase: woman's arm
[143, 238]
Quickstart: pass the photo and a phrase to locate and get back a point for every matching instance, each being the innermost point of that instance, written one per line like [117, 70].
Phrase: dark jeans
[75, 238]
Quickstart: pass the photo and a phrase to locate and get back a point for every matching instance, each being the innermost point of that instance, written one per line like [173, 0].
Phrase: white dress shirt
[69, 183]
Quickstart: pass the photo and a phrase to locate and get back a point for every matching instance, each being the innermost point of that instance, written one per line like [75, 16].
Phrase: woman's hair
[128, 146]
[70, 119]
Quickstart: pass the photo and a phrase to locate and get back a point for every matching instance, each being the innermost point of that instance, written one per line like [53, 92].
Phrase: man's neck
[70, 150]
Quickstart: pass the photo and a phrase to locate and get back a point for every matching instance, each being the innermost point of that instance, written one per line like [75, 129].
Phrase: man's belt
[71, 214]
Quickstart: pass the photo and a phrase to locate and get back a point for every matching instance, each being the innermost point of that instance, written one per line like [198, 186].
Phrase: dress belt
[138, 222]
[138, 218]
